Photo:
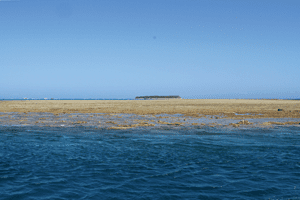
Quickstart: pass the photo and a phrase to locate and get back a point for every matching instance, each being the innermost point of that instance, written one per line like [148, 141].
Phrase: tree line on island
[158, 97]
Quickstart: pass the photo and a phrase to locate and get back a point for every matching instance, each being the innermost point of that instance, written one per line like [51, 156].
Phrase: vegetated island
[156, 97]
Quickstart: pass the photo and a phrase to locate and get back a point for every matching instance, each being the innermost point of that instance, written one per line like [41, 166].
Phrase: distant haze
[124, 49]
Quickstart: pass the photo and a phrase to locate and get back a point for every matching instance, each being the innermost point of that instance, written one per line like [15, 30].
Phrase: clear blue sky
[123, 49]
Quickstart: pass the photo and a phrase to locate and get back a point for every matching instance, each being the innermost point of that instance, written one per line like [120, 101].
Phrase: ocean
[142, 163]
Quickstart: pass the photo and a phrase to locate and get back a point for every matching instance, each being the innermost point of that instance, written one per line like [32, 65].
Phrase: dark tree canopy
[158, 97]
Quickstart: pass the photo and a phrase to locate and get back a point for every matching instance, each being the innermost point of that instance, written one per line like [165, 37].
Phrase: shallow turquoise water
[84, 163]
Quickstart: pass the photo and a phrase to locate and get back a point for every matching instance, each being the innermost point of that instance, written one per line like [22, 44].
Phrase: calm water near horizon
[135, 99]
[84, 163]
[56, 99]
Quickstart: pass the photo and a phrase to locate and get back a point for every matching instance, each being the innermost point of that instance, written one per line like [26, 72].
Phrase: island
[156, 97]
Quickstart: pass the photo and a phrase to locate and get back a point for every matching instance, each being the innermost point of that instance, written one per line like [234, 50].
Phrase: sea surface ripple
[84, 163]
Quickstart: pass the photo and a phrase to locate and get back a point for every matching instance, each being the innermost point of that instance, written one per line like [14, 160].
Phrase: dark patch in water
[207, 133]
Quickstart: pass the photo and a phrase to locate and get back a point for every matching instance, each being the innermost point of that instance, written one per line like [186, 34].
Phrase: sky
[123, 49]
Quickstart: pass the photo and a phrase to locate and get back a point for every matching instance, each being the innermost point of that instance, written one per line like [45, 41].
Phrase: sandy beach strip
[220, 108]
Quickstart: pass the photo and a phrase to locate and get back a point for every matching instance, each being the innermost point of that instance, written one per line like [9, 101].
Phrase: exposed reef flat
[161, 114]
[133, 121]
[198, 108]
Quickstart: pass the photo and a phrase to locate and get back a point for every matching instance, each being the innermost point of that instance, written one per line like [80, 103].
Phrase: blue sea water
[84, 163]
